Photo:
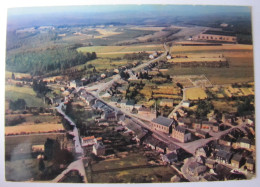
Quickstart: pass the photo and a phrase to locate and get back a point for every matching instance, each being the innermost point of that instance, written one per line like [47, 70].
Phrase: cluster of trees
[40, 87]
[14, 121]
[204, 107]
[38, 63]
[245, 108]
[18, 104]
[137, 56]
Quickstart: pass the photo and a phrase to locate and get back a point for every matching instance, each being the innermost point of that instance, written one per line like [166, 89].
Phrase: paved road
[78, 164]
[104, 86]
[78, 148]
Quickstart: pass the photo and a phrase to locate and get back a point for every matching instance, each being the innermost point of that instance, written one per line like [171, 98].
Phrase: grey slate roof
[163, 121]
[224, 155]
[237, 157]
[181, 129]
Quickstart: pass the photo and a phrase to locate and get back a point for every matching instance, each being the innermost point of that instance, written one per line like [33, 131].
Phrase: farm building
[214, 35]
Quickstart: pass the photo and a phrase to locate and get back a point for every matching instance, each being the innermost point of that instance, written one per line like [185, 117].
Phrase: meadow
[13, 93]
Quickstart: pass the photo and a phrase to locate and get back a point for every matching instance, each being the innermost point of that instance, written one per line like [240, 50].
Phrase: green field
[13, 93]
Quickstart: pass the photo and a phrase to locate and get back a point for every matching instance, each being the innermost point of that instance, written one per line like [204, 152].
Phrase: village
[174, 103]
[142, 111]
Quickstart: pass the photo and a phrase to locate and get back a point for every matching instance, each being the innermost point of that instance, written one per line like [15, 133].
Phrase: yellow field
[106, 33]
[121, 49]
[211, 48]
[224, 106]
[32, 128]
[195, 93]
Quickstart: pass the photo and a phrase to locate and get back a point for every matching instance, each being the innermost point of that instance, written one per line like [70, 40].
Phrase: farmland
[195, 93]
[33, 128]
[239, 57]
[102, 51]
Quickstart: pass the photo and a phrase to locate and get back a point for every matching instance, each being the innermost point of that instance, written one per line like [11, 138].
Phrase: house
[38, 148]
[186, 104]
[222, 147]
[250, 164]
[75, 84]
[170, 158]
[109, 116]
[106, 95]
[226, 140]
[155, 144]
[196, 124]
[169, 57]
[236, 161]
[185, 122]
[99, 149]
[161, 147]
[138, 132]
[196, 169]
[162, 124]
[210, 164]
[215, 35]
[245, 143]
[166, 102]
[250, 122]
[223, 157]
[87, 143]
[215, 127]
[181, 134]
[201, 152]
[201, 134]
[206, 125]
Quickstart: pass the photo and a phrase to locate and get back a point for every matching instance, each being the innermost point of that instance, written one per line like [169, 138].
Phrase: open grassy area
[195, 93]
[13, 93]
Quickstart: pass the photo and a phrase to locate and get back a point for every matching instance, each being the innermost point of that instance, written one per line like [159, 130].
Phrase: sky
[31, 16]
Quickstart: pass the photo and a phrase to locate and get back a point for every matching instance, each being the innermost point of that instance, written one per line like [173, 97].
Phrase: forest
[38, 63]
